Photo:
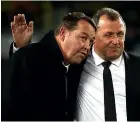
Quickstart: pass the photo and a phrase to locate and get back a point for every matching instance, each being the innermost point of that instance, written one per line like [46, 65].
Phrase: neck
[103, 57]
[66, 63]
[97, 52]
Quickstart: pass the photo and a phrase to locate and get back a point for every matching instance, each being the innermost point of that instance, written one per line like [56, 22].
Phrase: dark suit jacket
[37, 83]
[132, 67]
[132, 72]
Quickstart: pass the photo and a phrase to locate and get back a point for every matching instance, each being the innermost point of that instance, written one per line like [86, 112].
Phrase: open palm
[22, 33]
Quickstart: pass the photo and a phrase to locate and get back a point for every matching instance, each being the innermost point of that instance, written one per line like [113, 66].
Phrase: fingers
[19, 20]
[13, 27]
[15, 19]
[31, 26]
[14, 24]
[20, 23]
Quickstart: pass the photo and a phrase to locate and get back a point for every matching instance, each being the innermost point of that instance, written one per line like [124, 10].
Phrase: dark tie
[109, 99]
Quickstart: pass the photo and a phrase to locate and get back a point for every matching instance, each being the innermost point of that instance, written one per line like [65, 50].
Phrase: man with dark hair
[108, 92]
[109, 84]
[38, 84]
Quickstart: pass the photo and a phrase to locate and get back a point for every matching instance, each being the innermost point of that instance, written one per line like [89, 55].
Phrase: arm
[16, 89]
[11, 52]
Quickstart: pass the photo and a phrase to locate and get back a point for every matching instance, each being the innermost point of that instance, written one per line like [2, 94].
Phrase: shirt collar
[98, 60]
[66, 66]
[117, 62]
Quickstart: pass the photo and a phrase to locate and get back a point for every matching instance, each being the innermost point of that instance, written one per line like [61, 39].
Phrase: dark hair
[109, 12]
[70, 21]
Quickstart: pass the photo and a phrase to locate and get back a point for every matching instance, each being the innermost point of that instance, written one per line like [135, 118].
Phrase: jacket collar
[50, 44]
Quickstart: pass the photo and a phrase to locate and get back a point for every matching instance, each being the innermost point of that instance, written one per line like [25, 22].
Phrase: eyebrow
[87, 34]
[114, 32]
[121, 32]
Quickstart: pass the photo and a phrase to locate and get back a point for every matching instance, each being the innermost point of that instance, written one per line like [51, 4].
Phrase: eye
[83, 38]
[91, 42]
[109, 34]
[120, 34]
[93, 39]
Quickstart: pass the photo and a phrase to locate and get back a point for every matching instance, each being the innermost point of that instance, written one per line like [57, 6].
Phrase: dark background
[47, 14]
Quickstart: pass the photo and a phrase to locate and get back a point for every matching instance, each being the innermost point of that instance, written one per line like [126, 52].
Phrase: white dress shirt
[90, 97]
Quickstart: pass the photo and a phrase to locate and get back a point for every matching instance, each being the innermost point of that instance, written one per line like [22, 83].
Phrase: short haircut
[109, 12]
[70, 21]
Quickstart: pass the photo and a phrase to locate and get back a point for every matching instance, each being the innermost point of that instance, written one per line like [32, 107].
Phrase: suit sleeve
[11, 50]
[15, 104]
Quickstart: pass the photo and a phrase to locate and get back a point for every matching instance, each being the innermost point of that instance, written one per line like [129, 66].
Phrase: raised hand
[22, 33]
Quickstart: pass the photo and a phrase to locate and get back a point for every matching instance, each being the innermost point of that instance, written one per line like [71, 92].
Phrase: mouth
[83, 54]
[114, 48]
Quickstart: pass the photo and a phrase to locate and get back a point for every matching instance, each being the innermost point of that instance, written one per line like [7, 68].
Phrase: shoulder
[30, 54]
[26, 50]
[132, 59]
[37, 48]
[133, 56]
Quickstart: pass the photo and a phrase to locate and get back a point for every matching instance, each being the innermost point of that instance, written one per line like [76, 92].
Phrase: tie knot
[106, 64]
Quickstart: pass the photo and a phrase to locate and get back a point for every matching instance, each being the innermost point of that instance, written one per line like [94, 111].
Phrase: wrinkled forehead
[111, 25]
[85, 27]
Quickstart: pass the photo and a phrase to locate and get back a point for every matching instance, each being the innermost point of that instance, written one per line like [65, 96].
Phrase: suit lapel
[129, 86]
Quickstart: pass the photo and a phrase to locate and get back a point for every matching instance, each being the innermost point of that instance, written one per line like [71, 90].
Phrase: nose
[87, 45]
[115, 40]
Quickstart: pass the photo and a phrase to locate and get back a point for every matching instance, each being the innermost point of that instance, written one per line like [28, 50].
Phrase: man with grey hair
[109, 84]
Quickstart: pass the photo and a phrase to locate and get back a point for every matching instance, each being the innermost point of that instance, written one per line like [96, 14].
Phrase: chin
[80, 60]
[113, 57]
[77, 61]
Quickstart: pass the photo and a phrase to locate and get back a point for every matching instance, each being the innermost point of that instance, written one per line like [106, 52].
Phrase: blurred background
[47, 14]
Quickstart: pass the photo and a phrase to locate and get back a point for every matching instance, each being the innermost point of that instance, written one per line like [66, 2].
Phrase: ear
[95, 39]
[62, 33]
